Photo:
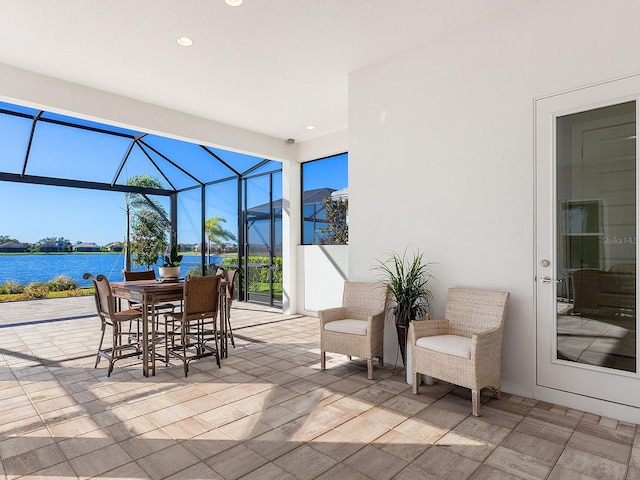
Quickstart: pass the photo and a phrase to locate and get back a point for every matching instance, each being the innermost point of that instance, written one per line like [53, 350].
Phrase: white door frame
[559, 381]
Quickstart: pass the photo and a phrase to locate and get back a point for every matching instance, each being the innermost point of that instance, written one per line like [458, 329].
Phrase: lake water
[44, 267]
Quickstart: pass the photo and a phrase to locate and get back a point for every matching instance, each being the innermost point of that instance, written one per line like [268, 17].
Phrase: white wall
[441, 150]
[322, 270]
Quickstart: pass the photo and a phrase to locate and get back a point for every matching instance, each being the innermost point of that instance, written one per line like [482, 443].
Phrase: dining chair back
[131, 276]
[229, 276]
[192, 332]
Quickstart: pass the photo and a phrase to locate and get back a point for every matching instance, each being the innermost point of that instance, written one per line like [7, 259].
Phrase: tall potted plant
[407, 279]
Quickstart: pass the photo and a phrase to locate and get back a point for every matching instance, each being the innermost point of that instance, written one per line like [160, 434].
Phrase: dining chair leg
[370, 368]
[114, 349]
[230, 330]
[185, 364]
[323, 360]
[98, 356]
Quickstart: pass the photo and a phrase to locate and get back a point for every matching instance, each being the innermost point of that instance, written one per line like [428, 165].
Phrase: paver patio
[268, 413]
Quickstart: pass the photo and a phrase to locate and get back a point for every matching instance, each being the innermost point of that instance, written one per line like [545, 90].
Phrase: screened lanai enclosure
[198, 186]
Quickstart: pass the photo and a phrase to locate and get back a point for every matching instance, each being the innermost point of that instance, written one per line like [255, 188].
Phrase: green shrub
[36, 290]
[62, 283]
[11, 287]
[77, 292]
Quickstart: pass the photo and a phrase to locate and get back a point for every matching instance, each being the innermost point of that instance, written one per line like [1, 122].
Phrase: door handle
[547, 279]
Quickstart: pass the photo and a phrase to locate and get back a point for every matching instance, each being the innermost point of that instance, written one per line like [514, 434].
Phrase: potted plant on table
[170, 268]
[407, 279]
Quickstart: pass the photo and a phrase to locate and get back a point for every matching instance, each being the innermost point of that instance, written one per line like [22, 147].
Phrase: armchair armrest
[486, 344]
[427, 328]
[331, 314]
[375, 324]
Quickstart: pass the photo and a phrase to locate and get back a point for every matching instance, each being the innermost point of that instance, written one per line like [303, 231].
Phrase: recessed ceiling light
[311, 127]
[184, 41]
[233, 3]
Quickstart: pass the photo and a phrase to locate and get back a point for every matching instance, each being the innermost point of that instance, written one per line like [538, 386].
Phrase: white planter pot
[409, 372]
[169, 272]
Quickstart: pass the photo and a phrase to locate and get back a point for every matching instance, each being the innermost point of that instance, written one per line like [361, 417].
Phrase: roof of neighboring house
[86, 245]
[315, 195]
[13, 245]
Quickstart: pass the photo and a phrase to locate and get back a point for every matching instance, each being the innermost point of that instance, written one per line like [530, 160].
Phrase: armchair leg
[370, 368]
[380, 362]
[416, 383]
[323, 360]
[497, 393]
[475, 402]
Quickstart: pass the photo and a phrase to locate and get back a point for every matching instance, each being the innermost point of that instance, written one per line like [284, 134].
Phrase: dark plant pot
[402, 329]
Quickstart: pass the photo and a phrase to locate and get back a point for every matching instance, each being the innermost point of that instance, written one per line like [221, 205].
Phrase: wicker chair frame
[476, 314]
[360, 301]
[124, 344]
[192, 333]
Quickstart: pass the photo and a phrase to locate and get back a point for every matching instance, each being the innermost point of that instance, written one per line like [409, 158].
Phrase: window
[325, 201]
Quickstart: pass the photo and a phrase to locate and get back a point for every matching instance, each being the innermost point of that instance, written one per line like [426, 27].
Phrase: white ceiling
[268, 66]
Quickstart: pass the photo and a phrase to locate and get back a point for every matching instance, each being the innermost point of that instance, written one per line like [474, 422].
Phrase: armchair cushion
[350, 326]
[449, 344]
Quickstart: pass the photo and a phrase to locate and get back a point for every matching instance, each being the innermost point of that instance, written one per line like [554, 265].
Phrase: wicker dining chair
[464, 348]
[357, 327]
[192, 333]
[124, 343]
[229, 276]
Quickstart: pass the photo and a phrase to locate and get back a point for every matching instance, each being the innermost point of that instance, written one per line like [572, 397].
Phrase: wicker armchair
[465, 348]
[124, 344]
[356, 328]
[193, 333]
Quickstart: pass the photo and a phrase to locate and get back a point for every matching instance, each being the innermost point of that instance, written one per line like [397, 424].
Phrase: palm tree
[216, 233]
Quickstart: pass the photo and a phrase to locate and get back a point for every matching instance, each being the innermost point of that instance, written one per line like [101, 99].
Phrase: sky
[33, 212]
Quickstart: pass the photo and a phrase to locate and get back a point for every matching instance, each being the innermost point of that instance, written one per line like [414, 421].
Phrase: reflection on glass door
[596, 196]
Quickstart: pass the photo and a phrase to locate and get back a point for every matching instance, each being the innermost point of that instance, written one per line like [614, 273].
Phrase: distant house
[13, 247]
[188, 247]
[115, 247]
[53, 247]
[86, 247]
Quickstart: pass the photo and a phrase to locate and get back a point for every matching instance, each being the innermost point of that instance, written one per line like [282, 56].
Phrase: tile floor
[269, 413]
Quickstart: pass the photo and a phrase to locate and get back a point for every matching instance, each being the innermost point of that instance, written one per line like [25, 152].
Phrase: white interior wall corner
[291, 228]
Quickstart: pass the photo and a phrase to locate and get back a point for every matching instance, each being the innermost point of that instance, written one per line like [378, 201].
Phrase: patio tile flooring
[268, 413]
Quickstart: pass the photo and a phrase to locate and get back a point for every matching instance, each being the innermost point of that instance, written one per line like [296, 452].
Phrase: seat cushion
[449, 344]
[350, 326]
